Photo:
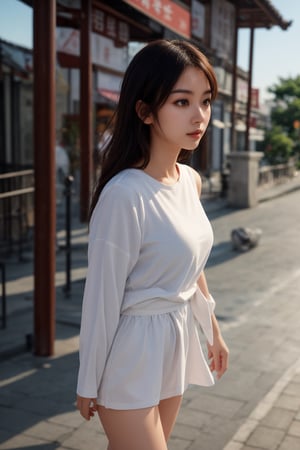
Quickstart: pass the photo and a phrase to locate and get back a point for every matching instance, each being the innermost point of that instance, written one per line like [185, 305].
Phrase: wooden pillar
[249, 100]
[234, 83]
[44, 164]
[86, 125]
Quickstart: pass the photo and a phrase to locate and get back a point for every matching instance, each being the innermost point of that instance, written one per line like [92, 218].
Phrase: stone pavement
[256, 404]
[275, 422]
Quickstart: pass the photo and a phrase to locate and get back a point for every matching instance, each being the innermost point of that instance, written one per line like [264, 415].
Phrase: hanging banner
[222, 28]
[104, 51]
[198, 19]
[167, 13]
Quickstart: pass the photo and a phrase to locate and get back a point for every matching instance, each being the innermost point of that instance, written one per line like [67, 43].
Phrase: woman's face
[184, 117]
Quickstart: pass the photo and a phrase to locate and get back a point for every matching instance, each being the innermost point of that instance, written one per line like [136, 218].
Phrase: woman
[149, 242]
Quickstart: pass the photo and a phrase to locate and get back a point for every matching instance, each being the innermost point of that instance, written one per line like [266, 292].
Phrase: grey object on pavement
[244, 239]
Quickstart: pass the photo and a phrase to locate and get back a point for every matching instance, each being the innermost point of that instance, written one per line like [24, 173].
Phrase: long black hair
[150, 77]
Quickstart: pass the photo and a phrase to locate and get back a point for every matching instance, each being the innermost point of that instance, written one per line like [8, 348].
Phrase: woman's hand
[218, 354]
[86, 406]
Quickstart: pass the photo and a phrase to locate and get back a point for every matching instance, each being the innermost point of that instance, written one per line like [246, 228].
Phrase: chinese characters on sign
[167, 13]
[110, 27]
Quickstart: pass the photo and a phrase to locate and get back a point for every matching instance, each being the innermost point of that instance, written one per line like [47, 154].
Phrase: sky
[276, 52]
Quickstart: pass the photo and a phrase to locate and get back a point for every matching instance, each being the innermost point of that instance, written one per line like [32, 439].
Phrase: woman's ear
[142, 110]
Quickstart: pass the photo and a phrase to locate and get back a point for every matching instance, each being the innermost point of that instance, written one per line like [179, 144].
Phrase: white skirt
[153, 357]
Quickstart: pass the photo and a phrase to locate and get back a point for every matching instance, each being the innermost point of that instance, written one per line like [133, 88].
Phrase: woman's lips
[195, 134]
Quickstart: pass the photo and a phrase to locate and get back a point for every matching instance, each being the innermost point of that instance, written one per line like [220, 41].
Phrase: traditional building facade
[81, 50]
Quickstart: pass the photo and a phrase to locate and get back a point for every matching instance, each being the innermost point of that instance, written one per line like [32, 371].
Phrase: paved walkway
[275, 422]
[256, 405]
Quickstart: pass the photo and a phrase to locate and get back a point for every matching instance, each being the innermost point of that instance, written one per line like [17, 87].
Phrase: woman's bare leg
[133, 429]
[168, 411]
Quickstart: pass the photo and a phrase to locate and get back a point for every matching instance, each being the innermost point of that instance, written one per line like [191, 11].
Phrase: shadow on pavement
[215, 214]
[222, 253]
[17, 337]
[40, 447]
[35, 390]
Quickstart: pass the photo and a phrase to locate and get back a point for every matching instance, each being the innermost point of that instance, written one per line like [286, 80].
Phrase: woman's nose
[198, 114]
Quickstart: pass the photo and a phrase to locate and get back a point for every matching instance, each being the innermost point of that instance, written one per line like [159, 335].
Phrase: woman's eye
[182, 102]
[207, 102]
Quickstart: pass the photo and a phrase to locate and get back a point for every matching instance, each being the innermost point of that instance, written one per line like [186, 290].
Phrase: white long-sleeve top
[148, 245]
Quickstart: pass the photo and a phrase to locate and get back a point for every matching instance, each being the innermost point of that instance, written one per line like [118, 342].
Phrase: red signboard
[255, 98]
[167, 13]
[252, 122]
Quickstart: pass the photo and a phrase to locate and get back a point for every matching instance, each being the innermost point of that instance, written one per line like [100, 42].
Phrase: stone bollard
[243, 180]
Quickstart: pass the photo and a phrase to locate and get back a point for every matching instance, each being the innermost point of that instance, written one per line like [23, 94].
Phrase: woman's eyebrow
[187, 91]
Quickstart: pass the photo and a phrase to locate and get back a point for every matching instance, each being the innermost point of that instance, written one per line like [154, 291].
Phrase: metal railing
[16, 209]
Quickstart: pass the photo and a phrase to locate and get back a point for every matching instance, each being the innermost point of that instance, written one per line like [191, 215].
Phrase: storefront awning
[259, 14]
[110, 95]
[16, 58]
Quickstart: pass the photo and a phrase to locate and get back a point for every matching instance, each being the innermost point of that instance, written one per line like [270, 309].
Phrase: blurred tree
[278, 146]
[283, 140]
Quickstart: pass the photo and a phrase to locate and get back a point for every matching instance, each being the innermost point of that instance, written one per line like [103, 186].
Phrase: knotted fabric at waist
[202, 309]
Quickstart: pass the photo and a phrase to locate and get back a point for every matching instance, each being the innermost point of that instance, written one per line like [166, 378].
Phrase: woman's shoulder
[124, 186]
[120, 195]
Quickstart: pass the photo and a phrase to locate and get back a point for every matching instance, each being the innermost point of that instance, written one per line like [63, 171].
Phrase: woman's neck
[162, 169]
